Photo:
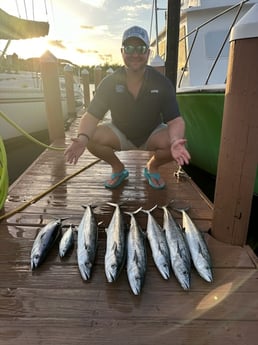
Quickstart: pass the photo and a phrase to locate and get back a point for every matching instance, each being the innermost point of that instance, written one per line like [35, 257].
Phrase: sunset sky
[86, 32]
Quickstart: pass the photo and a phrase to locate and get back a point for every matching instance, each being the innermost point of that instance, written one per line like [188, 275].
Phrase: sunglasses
[130, 50]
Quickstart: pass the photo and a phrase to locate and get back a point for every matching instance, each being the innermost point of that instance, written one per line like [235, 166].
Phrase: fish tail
[61, 219]
[150, 210]
[64, 218]
[90, 205]
[182, 209]
[134, 212]
[168, 204]
[70, 226]
[112, 204]
[138, 210]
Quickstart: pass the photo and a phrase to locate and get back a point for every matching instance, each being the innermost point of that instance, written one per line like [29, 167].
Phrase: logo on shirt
[154, 91]
[120, 88]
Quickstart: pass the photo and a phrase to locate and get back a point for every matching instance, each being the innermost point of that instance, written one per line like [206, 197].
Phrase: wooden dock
[53, 305]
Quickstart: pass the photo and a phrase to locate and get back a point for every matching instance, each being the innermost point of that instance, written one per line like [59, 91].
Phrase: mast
[173, 20]
[156, 24]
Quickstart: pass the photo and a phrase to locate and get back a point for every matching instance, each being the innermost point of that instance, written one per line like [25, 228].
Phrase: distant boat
[202, 71]
[21, 92]
[22, 101]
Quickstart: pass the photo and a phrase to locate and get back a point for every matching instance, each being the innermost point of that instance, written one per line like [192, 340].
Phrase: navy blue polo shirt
[136, 118]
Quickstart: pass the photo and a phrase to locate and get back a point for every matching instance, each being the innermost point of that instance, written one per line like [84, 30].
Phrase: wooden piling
[158, 64]
[49, 71]
[86, 86]
[173, 20]
[68, 75]
[97, 76]
[238, 157]
[109, 71]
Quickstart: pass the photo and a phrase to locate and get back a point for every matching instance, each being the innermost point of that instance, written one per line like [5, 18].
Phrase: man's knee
[104, 136]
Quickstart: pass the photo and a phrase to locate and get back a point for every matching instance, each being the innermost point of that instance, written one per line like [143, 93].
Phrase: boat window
[182, 48]
[213, 44]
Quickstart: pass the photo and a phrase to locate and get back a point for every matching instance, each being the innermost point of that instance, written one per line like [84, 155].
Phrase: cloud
[94, 3]
[57, 44]
[86, 51]
[87, 27]
[133, 10]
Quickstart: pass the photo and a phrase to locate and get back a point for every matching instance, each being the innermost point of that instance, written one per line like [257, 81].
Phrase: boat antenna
[155, 10]
[156, 25]
[151, 22]
[18, 11]
[25, 9]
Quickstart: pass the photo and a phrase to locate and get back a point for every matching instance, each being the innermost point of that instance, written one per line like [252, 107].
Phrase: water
[21, 155]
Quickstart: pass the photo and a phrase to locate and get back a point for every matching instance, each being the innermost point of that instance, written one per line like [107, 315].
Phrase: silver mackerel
[87, 243]
[179, 252]
[67, 241]
[158, 244]
[136, 255]
[115, 245]
[198, 248]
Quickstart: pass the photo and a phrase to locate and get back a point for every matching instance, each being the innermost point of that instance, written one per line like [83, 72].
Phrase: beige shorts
[125, 144]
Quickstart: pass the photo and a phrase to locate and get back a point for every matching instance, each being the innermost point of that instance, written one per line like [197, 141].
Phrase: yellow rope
[4, 175]
[36, 198]
[27, 135]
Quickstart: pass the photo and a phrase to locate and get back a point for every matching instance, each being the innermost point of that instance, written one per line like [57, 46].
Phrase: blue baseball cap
[138, 32]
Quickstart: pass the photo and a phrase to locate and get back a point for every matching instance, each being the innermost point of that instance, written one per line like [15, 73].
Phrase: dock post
[68, 75]
[97, 76]
[173, 20]
[49, 71]
[158, 64]
[109, 71]
[86, 86]
[238, 158]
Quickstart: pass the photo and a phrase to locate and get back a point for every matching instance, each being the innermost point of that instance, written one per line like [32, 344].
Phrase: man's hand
[179, 152]
[75, 150]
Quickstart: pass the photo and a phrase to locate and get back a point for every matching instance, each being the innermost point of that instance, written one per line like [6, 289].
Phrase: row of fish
[170, 246]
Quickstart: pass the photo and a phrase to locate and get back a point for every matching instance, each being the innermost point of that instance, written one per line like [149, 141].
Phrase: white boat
[22, 101]
[204, 33]
[22, 98]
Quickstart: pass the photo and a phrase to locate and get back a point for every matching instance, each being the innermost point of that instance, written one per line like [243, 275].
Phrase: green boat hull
[203, 112]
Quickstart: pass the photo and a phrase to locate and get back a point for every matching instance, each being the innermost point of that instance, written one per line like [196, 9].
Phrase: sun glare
[29, 48]
[72, 36]
[94, 3]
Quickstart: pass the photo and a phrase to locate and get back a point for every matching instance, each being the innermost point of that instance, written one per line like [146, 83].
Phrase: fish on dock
[87, 240]
[198, 248]
[67, 241]
[136, 263]
[180, 257]
[158, 244]
[44, 241]
[115, 246]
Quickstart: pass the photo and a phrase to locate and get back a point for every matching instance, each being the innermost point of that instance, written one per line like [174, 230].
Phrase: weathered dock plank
[53, 305]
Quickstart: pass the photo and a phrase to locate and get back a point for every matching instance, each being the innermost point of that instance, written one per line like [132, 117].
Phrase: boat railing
[195, 33]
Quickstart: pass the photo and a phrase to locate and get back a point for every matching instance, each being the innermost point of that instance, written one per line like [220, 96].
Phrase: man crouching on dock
[144, 116]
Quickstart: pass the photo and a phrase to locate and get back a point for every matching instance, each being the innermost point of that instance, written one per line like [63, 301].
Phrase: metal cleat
[180, 174]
